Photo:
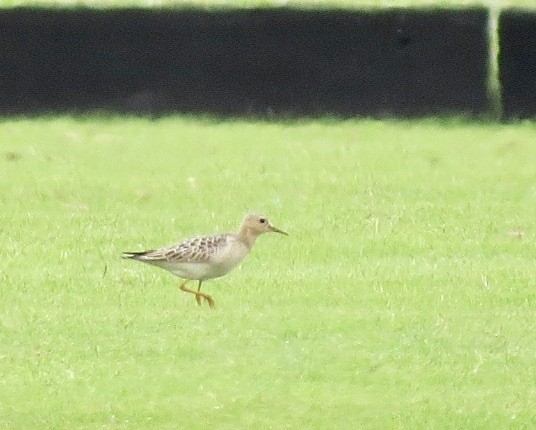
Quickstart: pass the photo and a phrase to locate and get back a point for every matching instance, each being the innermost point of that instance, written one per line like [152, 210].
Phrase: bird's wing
[194, 250]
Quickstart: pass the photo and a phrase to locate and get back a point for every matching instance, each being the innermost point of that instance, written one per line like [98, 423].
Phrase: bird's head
[258, 224]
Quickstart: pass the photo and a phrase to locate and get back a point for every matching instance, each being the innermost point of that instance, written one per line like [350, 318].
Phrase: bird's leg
[198, 294]
[208, 298]
[197, 297]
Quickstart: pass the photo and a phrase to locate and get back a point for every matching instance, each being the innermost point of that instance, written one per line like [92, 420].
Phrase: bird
[207, 257]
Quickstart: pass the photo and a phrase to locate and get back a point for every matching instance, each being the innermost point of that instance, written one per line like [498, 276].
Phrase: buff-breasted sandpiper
[207, 257]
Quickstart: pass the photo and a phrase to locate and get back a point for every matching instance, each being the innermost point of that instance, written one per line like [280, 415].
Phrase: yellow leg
[198, 294]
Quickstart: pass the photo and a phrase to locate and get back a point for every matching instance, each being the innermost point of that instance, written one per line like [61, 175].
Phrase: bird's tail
[135, 255]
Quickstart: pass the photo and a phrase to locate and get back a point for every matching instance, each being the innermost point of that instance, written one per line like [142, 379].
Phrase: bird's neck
[247, 236]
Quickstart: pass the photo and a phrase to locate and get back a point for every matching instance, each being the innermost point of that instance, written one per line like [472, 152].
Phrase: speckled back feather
[193, 250]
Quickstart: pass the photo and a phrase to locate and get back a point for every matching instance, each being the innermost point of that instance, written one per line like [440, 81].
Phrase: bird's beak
[276, 230]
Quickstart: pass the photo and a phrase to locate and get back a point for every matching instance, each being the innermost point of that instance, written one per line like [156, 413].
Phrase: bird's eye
[262, 220]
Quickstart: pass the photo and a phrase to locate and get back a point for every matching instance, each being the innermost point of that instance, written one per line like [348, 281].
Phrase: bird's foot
[199, 296]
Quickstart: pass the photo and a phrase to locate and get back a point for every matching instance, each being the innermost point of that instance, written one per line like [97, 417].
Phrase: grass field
[404, 296]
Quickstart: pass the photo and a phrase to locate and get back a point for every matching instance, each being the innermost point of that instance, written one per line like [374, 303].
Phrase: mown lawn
[404, 296]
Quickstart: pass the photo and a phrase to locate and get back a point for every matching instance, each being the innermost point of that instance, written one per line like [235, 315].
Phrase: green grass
[403, 298]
